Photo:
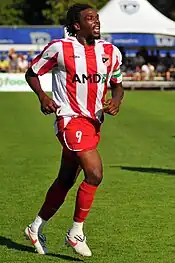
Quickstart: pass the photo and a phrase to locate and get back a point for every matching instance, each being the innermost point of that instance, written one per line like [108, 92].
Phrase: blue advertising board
[42, 35]
[30, 35]
[136, 40]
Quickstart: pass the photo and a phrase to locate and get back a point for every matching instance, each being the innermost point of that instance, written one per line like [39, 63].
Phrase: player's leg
[91, 164]
[55, 197]
[56, 194]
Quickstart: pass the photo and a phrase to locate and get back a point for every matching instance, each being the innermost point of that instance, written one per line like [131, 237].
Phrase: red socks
[54, 199]
[56, 195]
[85, 197]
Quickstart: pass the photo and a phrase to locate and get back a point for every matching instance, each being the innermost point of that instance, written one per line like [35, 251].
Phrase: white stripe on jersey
[81, 88]
[59, 89]
[51, 51]
[117, 56]
[101, 69]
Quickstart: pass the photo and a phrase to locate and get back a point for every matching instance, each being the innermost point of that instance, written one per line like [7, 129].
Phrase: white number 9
[78, 135]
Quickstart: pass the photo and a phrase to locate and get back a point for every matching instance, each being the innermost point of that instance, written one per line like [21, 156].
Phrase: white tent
[134, 16]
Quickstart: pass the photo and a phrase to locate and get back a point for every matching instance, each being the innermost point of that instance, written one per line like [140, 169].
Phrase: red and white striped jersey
[79, 74]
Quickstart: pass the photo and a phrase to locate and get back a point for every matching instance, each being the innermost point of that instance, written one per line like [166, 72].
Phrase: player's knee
[66, 181]
[94, 176]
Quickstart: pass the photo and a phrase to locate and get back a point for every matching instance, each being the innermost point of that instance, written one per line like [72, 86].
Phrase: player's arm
[47, 104]
[111, 106]
[42, 64]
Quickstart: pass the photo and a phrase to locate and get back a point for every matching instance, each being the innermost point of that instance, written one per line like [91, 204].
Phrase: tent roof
[134, 16]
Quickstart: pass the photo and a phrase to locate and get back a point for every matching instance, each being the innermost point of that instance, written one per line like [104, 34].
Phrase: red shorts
[80, 133]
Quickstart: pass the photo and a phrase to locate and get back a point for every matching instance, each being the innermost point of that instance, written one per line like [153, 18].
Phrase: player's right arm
[42, 64]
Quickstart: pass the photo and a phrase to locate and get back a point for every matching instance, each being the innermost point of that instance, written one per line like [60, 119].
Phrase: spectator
[30, 56]
[144, 53]
[13, 60]
[168, 60]
[4, 63]
[170, 73]
[153, 59]
[130, 69]
[158, 55]
[137, 75]
[148, 71]
[160, 69]
[22, 63]
[138, 60]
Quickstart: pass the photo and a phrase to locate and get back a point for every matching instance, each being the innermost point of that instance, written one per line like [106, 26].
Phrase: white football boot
[78, 243]
[37, 239]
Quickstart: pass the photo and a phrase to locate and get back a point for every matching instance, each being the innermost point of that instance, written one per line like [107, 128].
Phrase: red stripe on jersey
[92, 85]
[69, 62]
[37, 58]
[116, 65]
[50, 64]
[108, 49]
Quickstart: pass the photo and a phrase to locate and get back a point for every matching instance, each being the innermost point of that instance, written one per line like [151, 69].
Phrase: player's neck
[86, 41]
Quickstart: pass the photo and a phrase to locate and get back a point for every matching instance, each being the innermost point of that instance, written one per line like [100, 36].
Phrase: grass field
[133, 216]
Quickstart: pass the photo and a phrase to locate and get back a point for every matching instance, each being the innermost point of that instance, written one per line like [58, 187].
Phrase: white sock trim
[38, 224]
[77, 228]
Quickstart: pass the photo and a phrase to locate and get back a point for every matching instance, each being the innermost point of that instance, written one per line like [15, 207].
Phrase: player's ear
[77, 26]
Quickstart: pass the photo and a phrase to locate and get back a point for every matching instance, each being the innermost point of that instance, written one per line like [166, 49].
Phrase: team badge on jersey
[106, 59]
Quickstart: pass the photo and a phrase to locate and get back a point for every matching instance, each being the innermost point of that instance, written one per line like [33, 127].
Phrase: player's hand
[111, 107]
[48, 105]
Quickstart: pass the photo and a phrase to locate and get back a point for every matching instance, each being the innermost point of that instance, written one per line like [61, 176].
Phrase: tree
[56, 10]
[165, 7]
[11, 12]
[32, 12]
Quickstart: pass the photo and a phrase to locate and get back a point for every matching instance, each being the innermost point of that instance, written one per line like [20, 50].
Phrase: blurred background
[144, 31]
[132, 219]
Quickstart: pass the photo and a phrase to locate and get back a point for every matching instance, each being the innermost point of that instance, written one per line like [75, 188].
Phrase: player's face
[89, 24]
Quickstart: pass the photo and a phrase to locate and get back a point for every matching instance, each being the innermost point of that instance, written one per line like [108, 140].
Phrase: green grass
[133, 216]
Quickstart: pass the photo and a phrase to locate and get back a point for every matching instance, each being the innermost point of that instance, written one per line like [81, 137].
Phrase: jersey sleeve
[116, 76]
[47, 59]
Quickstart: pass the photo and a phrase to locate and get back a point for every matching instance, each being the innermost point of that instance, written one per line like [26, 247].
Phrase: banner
[137, 40]
[17, 82]
[30, 35]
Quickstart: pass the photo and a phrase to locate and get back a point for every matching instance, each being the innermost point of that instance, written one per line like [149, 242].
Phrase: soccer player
[82, 66]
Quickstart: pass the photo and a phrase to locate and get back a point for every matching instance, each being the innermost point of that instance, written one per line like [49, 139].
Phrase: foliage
[56, 10]
[11, 12]
[32, 12]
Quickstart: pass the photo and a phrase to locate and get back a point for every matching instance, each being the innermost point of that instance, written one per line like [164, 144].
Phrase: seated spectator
[160, 69]
[30, 56]
[138, 60]
[13, 60]
[137, 75]
[144, 53]
[170, 73]
[168, 60]
[153, 59]
[22, 63]
[147, 71]
[130, 68]
[4, 64]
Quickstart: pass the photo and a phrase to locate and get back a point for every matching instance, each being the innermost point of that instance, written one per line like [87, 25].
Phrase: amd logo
[92, 78]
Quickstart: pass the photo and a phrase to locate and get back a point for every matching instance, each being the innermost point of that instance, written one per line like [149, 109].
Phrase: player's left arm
[111, 106]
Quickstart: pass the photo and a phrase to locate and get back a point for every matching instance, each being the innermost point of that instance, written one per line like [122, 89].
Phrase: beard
[91, 39]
